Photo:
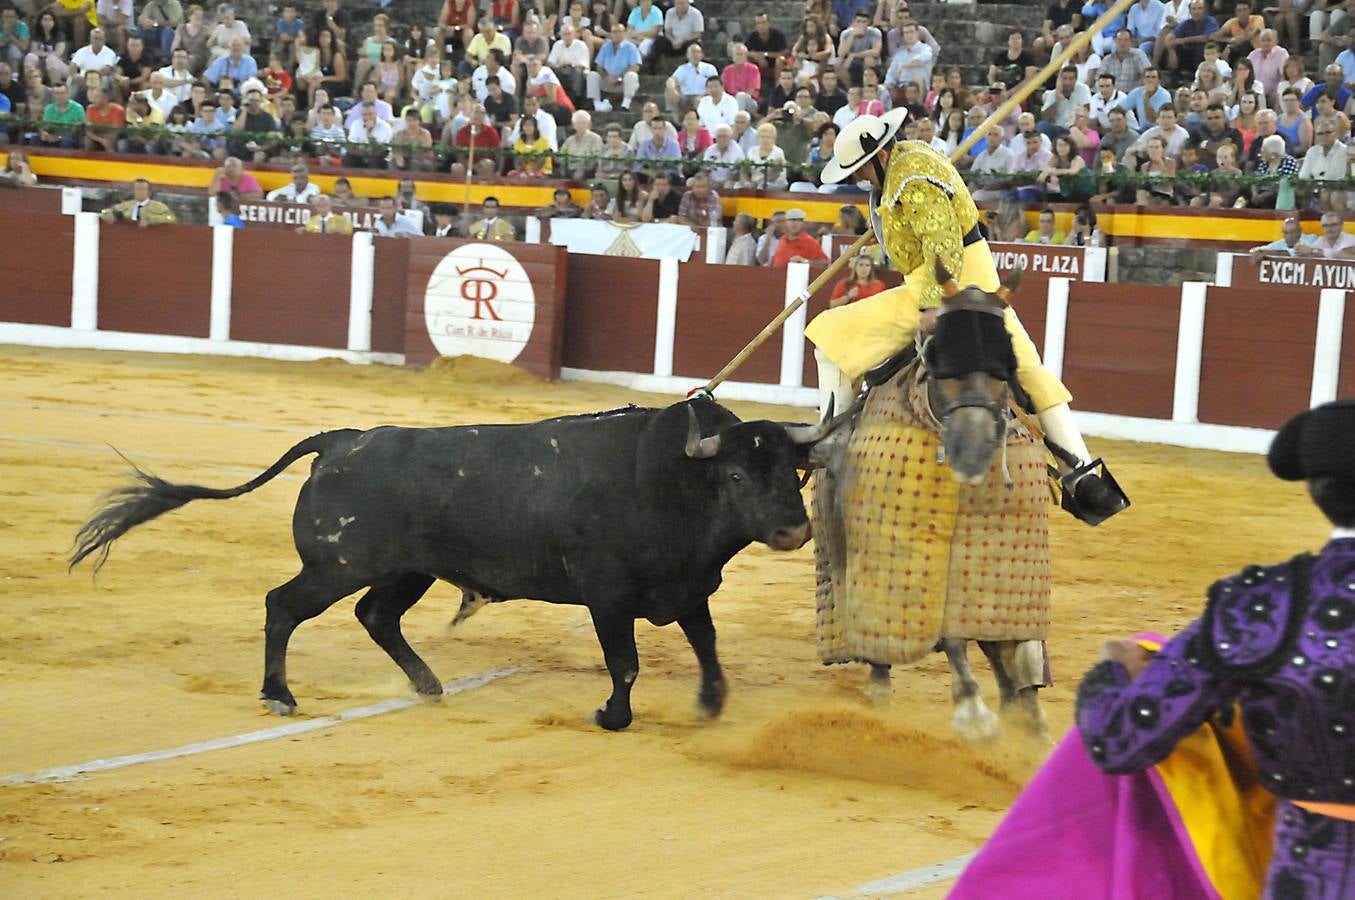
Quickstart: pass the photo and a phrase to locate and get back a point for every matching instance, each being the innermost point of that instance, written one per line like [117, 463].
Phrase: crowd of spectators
[1202, 103]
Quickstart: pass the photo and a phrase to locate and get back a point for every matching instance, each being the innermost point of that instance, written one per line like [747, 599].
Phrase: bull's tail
[124, 508]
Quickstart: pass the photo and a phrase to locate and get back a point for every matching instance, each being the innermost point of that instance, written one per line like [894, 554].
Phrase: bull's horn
[697, 446]
[812, 434]
[947, 281]
[1009, 284]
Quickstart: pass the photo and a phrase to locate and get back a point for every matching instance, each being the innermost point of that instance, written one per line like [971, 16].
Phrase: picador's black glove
[1097, 498]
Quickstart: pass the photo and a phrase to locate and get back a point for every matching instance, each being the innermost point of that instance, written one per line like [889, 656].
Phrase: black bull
[631, 513]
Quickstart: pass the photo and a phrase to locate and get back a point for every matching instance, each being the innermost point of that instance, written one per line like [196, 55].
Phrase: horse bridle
[996, 408]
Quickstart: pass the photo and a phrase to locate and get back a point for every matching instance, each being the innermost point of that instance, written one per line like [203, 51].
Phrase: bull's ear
[1007, 289]
[947, 281]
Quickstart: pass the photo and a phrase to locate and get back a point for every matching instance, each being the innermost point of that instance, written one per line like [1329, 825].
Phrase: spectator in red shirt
[102, 120]
[484, 137]
[797, 245]
[861, 283]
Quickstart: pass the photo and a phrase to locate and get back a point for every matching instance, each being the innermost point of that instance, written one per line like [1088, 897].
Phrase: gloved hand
[1096, 497]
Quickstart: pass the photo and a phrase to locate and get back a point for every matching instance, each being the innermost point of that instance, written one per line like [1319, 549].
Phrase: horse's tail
[124, 508]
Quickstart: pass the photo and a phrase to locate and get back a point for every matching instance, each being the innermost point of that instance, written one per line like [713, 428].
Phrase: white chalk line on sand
[66, 773]
[904, 882]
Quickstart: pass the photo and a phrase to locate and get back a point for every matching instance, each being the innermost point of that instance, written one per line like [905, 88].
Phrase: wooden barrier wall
[37, 255]
[164, 288]
[1120, 348]
[613, 314]
[290, 288]
[718, 304]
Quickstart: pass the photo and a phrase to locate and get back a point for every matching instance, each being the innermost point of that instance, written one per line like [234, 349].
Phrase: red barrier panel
[503, 301]
[291, 288]
[1120, 348]
[155, 280]
[613, 313]
[1258, 356]
[390, 292]
[36, 260]
[1345, 385]
[721, 308]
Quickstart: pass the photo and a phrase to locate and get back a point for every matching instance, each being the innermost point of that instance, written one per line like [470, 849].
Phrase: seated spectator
[1045, 232]
[493, 67]
[1014, 64]
[1333, 243]
[234, 64]
[475, 133]
[618, 68]
[1275, 163]
[1215, 132]
[1025, 126]
[231, 176]
[861, 283]
[1065, 176]
[528, 47]
[489, 38]
[742, 250]
[794, 127]
[133, 68]
[546, 88]
[299, 190]
[687, 85]
[926, 134]
[1241, 34]
[1032, 159]
[831, 97]
[200, 138]
[1061, 104]
[1085, 137]
[1331, 87]
[1144, 101]
[994, 159]
[17, 171]
[1292, 123]
[660, 148]
[579, 152]
[766, 47]
[1225, 192]
[569, 59]
[368, 95]
[324, 220]
[860, 47]
[1126, 63]
[1173, 136]
[683, 27]
[771, 237]
[412, 145]
[797, 245]
[289, 25]
[1112, 185]
[344, 196]
[143, 122]
[616, 155]
[726, 153]
[392, 223]
[96, 57]
[1145, 20]
[1326, 160]
[1160, 170]
[700, 206]
[663, 200]
[531, 151]
[229, 210]
[221, 39]
[444, 219]
[65, 117]
[1267, 61]
[912, 63]
[630, 200]
[1184, 44]
[745, 135]
[368, 140]
[1295, 77]
[103, 119]
[490, 227]
[328, 133]
[256, 122]
[501, 107]
[783, 91]
[1325, 108]
[765, 163]
[599, 201]
[545, 122]
[743, 80]
[643, 26]
[1245, 118]
[47, 50]
[141, 209]
[716, 107]
[693, 140]
[1084, 232]
[1291, 241]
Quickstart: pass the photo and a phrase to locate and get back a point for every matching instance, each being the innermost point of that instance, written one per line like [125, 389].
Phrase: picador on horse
[912, 558]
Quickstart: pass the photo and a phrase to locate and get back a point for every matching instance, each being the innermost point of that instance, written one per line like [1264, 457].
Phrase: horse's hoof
[280, 707]
[879, 693]
[975, 724]
[610, 721]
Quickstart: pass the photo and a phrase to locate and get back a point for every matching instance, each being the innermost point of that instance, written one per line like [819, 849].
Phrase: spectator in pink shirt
[1268, 62]
[743, 80]
[233, 177]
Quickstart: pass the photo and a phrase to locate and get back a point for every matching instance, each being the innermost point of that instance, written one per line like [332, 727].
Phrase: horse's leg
[878, 688]
[1024, 664]
[1005, 689]
[973, 720]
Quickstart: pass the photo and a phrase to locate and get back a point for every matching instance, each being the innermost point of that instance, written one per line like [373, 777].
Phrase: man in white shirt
[96, 55]
[228, 28]
[1024, 125]
[545, 123]
[926, 133]
[178, 77]
[745, 135]
[995, 158]
[725, 151]
[687, 85]
[1326, 160]
[849, 109]
[717, 107]
[299, 190]
[373, 131]
[393, 224]
[493, 65]
[158, 97]
[1333, 243]
[369, 95]
[683, 25]
[913, 62]
[1106, 98]
[1173, 136]
[569, 59]
[1060, 104]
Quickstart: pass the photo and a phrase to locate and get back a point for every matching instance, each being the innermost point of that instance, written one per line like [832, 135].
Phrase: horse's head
[970, 363]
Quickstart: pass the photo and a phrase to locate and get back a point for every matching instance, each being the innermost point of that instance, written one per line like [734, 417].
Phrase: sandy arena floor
[801, 790]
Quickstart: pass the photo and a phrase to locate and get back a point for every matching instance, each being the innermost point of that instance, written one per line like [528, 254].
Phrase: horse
[912, 558]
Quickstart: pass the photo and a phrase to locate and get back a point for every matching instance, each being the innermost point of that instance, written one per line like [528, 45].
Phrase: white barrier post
[1223, 269]
[360, 292]
[715, 244]
[1056, 325]
[793, 332]
[531, 230]
[1331, 312]
[1094, 264]
[665, 328]
[223, 259]
[85, 273]
[72, 201]
[1189, 353]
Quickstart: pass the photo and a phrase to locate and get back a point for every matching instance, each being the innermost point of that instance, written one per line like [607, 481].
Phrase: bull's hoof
[280, 707]
[710, 702]
[612, 721]
[975, 723]
[431, 691]
[879, 690]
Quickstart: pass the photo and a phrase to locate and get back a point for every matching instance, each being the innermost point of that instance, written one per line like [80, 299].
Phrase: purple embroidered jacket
[1280, 641]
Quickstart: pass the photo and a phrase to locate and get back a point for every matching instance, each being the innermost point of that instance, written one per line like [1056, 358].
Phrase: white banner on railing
[655, 241]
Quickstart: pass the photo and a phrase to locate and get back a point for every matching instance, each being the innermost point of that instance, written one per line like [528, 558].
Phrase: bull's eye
[735, 477]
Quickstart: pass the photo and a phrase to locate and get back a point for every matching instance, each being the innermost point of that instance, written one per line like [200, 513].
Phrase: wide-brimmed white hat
[863, 137]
